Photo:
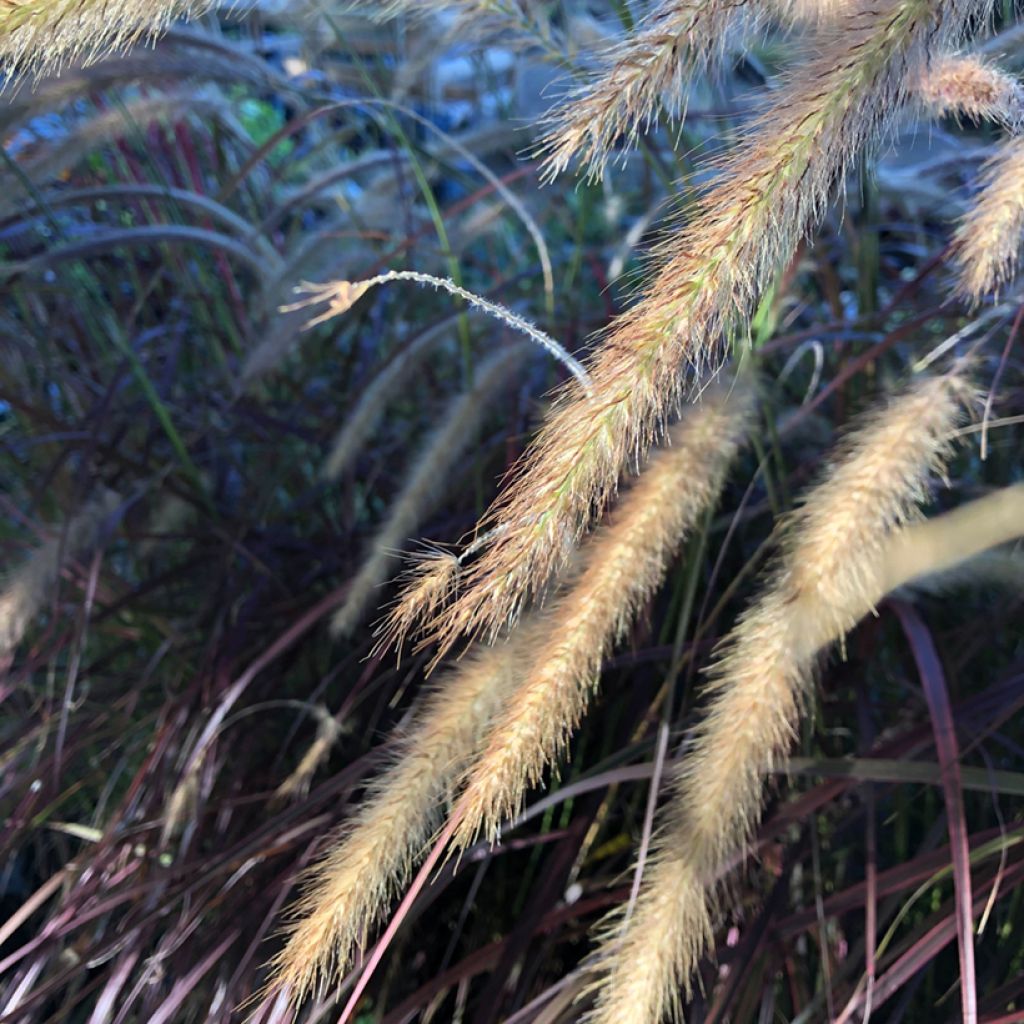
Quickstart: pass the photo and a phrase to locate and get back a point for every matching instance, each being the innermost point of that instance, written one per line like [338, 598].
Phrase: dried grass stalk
[426, 481]
[369, 861]
[989, 238]
[830, 575]
[45, 35]
[770, 193]
[651, 69]
[27, 590]
[621, 568]
[956, 538]
[339, 296]
[972, 87]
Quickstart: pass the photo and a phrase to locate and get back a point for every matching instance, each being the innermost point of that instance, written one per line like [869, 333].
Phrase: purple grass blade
[184, 986]
[104, 1009]
[924, 950]
[933, 681]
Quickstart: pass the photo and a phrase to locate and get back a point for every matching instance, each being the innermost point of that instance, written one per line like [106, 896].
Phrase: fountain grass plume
[830, 574]
[46, 35]
[648, 72]
[367, 863]
[969, 86]
[770, 193]
[988, 241]
[620, 568]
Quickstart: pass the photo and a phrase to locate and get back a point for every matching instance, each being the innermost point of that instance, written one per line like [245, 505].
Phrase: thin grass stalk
[370, 859]
[426, 481]
[830, 575]
[514, 203]
[989, 237]
[771, 192]
[622, 566]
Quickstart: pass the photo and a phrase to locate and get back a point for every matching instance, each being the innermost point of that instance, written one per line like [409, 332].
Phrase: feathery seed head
[878, 479]
[620, 568]
[641, 969]
[369, 860]
[650, 69]
[988, 240]
[810, 12]
[770, 193]
[428, 585]
[46, 35]
[829, 576]
[970, 86]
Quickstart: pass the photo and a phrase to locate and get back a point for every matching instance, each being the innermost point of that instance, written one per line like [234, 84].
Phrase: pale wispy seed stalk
[830, 575]
[770, 193]
[26, 591]
[622, 565]
[368, 862]
[427, 479]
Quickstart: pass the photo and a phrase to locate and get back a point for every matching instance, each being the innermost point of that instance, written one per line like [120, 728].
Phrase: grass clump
[698, 699]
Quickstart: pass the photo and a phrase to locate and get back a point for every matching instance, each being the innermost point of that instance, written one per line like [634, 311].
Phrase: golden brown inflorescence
[647, 73]
[619, 569]
[504, 717]
[514, 703]
[45, 35]
[366, 864]
[831, 574]
[973, 88]
[713, 272]
[989, 238]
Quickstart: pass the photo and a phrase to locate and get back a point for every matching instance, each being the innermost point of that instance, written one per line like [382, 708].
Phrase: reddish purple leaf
[933, 682]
